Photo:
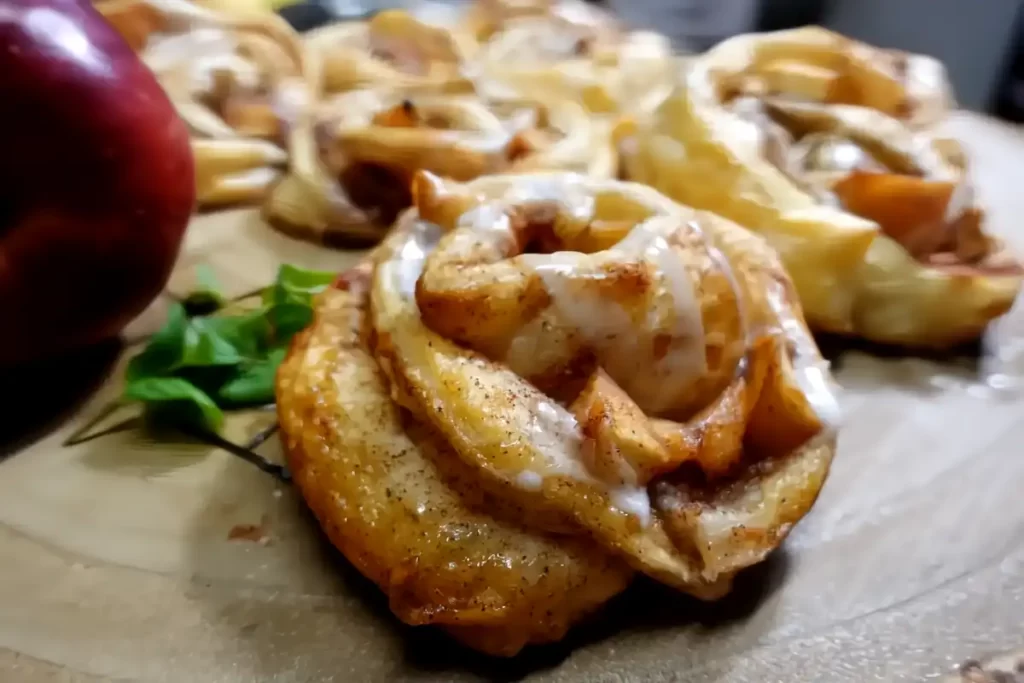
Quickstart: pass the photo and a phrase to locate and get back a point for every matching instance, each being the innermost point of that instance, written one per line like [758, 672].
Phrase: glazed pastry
[393, 498]
[485, 18]
[461, 93]
[370, 142]
[813, 64]
[582, 54]
[393, 56]
[823, 145]
[549, 356]
[228, 76]
[393, 50]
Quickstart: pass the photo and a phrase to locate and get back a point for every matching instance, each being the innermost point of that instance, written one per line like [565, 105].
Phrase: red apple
[96, 180]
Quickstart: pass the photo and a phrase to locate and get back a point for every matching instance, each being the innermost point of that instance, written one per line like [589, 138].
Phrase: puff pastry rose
[541, 383]
[826, 147]
[458, 93]
[365, 145]
[394, 49]
[574, 50]
[229, 77]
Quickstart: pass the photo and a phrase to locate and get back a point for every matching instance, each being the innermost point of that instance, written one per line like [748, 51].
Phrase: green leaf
[206, 298]
[287, 319]
[206, 346]
[297, 285]
[165, 348]
[248, 332]
[301, 279]
[231, 358]
[209, 378]
[176, 400]
[255, 385]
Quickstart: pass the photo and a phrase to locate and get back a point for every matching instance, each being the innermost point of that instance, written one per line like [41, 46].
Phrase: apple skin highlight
[97, 181]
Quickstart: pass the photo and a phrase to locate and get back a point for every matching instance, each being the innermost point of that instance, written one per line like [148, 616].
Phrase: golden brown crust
[486, 402]
[404, 512]
[485, 102]
[409, 445]
[905, 261]
[371, 142]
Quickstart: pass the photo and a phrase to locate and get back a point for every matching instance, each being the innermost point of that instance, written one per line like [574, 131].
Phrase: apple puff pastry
[229, 76]
[827, 148]
[494, 87]
[543, 382]
[362, 147]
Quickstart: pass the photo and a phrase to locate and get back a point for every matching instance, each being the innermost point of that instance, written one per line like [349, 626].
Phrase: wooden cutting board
[124, 558]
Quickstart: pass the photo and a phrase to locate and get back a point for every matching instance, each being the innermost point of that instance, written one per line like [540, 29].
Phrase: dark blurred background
[978, 40]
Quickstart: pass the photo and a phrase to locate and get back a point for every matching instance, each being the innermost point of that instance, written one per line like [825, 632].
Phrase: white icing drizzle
[551, 427]
[725, 267]
[553, 431]
[490, 221]
[633, 500]
[686, 359]
[567, 190]
[809, 368]
[565, 275]
[624, 350]
[407, 266]
[528, 480]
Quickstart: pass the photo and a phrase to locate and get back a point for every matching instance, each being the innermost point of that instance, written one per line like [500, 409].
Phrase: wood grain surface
[125, 558]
